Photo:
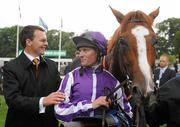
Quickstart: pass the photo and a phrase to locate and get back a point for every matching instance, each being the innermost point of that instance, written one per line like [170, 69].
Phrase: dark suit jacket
[167, 75]
[22, 91]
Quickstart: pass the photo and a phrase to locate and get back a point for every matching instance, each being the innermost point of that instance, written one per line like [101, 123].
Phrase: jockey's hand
[100, 101]
[53, 98]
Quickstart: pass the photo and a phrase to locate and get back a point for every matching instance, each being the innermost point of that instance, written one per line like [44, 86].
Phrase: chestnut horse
[131, 53]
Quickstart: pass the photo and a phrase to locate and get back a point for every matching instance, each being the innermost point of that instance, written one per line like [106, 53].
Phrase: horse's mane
[131, 19]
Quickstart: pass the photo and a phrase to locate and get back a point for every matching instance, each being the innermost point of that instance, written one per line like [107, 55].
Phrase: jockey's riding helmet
[92, 39]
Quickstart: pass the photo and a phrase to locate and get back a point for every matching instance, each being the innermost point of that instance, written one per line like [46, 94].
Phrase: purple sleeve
[67, 110]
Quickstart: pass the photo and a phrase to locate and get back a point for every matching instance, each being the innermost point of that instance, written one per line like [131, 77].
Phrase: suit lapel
[24, 60]
[165, 72]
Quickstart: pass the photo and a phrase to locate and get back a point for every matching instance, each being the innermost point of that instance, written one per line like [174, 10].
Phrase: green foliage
[3, 111]
[66, 42]
[53, 39]
[161, 46]
[172, 58]
[163, 125]
[8, 41]
[176, 43]
[166, 33]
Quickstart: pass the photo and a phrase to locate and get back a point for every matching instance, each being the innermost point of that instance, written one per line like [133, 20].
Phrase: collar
[93, 69]
[30, 57]
[164, 68]
[26, 61]
[95, 66]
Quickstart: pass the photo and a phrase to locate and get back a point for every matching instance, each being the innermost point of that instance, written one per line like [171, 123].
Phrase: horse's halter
[123, 41]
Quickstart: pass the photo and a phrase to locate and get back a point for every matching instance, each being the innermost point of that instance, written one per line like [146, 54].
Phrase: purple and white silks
[81, 91]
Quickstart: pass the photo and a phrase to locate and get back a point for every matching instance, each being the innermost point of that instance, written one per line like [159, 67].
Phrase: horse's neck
[113, 40]
[115, 69]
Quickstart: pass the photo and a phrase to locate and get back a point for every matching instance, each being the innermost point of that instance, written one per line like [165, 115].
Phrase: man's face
[163, 61]
[88, 56]
[38, 45]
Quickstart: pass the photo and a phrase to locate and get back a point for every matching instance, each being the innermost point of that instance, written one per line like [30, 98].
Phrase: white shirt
[162, 70]
[31, 58]
[178, 67]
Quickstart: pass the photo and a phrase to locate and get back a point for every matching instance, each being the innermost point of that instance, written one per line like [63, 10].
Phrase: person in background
[177, 66]
[163, 73]
[75, 63]
[84, 86]
[31, 82]
[1, 79]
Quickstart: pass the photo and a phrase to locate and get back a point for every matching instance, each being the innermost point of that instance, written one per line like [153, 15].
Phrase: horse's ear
[154, 14]
[119, 16]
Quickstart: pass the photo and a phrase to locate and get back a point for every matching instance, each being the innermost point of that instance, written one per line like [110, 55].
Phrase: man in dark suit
[163, 73]
[30, 88]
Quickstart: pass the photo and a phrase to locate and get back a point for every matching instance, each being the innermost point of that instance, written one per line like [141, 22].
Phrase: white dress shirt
[162, 70]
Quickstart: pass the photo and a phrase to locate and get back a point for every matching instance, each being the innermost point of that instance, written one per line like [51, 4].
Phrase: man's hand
[53, 98]
[101, 101]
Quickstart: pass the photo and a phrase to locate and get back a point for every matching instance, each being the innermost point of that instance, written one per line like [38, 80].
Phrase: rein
[111, 93]
[126, 81]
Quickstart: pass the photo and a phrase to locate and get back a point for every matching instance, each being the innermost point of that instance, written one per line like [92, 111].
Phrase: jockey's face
[88, 56]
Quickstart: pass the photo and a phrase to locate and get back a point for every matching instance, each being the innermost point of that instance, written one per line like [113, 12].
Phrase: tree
[8, 41]
[53, 39]
[166, 32]
[161, 46]
[176, 43]
[66, 42]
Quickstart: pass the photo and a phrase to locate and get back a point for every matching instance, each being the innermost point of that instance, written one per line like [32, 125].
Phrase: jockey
[84, 86]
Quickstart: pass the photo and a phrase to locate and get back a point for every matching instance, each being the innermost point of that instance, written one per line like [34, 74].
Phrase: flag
[43, 24]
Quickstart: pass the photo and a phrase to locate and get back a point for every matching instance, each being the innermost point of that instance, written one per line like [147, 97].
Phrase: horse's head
[132, 48]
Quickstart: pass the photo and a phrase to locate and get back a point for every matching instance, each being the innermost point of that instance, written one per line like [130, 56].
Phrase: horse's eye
[154, 41]
[123, 41]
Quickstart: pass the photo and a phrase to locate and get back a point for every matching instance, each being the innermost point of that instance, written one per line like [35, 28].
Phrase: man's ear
[28, 42]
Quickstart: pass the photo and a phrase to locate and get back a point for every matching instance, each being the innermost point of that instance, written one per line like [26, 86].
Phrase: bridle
[110, 94]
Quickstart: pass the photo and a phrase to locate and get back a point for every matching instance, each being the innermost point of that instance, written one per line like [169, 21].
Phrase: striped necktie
[36, 63]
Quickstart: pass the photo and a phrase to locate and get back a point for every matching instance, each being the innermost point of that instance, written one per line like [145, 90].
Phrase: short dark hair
[28, 33]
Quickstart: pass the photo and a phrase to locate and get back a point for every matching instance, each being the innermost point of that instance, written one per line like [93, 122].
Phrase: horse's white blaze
[140, 32]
